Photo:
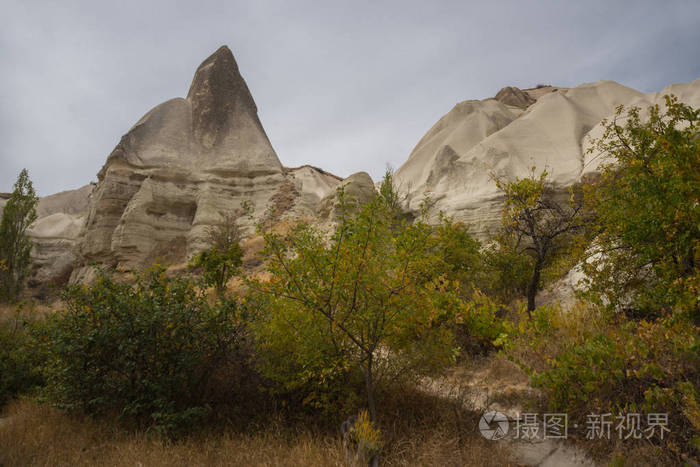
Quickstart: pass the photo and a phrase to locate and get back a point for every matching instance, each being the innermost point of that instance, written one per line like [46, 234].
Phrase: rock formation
[57, 232]
[514, 97]
[358, 188]
[183, 165]
[506, 137]
[191, 160]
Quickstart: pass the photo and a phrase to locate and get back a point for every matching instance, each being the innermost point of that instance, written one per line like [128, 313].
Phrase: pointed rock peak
[220, 98]
[220, 67]
[511, 95]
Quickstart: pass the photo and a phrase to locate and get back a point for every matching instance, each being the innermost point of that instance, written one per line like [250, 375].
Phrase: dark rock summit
[220, 99]
[513, 96]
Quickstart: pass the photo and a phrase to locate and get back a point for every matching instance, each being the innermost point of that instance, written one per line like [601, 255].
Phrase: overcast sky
[346, 86]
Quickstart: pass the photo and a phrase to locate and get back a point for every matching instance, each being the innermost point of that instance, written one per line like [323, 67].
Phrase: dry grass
[432, 434]
[42, 436]
[28, 309]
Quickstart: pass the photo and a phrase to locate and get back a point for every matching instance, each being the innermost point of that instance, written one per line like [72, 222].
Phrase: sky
[343, 85]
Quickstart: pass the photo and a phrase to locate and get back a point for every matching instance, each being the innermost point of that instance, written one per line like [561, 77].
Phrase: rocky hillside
[176, 172]
[508, 135]
[189, 161]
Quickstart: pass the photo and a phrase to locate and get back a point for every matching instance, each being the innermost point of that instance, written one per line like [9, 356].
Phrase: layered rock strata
[184, 165]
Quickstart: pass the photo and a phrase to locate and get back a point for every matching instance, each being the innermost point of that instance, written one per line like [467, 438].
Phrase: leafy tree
[222, 260]
[647, 205]
[369, 298]
[535, 223]
[15, 247]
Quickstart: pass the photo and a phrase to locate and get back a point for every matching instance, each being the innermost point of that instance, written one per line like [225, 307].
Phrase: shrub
[479, 325]
[588, 362]
[147, 353]
[461, 255]
[508, 271]
[368, 439]
[20, 362]
[222, 260]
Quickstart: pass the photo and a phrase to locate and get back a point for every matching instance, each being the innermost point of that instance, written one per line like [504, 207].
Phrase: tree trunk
[532, 287]
[371, 404]
[369, 382]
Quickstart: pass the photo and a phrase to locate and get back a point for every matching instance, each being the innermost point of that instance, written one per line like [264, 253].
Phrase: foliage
[587, 361]
[461, 255]
[20, 362]
[647, 204]
[222, 260]
[535, 223]
[389, 192]
[479, 284]
[367, 437]
[366, 299]
[479, 324]
[18, 214]
[508, 270]
[644, 261]
[146, 353]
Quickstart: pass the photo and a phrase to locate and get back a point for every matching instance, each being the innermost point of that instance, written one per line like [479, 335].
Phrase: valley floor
[41, 436]
[435, 433]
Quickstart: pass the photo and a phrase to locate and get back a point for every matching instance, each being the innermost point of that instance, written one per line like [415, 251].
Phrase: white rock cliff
[506, 136]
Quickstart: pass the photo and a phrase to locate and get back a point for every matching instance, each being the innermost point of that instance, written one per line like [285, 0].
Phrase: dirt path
[494, 384]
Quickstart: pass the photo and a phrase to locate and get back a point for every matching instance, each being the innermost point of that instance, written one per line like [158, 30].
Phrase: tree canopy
[371, 297]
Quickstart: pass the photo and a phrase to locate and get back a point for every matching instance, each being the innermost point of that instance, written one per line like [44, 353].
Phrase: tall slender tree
[19, 213]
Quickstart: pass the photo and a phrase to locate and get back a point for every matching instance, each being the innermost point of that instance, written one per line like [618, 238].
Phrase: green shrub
[20, 362]
[507, 272]
[222, 260]
[592, 363]
[146, 352]
[479, 325]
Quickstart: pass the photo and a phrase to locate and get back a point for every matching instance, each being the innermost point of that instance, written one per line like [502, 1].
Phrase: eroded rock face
[190, 160]
[182, 166]
[53, 254]
[455, 161]
[358, 189]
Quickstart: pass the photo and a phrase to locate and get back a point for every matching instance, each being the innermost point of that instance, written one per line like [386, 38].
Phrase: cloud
[347, 86]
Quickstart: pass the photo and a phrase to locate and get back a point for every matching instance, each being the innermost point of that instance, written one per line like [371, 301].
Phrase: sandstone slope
[181, 167]
[507, 136]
